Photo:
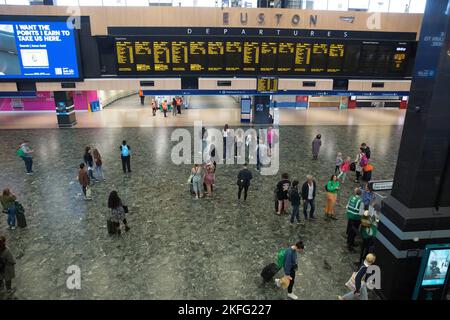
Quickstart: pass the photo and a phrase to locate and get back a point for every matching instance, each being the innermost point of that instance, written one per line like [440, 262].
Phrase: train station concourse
[272, 151]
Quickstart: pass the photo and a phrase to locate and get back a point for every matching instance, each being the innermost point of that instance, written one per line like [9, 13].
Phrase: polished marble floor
[178, 248]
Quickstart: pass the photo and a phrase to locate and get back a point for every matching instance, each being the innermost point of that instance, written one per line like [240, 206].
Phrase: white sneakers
[292, 296]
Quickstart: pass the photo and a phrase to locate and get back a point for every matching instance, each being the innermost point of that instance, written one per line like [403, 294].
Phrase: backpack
[125, 151]
[281, 257]
[2, 265]
[20, 152]
[367, 152]
[19, 208]
[363, 162]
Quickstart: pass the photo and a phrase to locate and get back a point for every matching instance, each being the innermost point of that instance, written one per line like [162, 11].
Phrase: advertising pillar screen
[38, 50]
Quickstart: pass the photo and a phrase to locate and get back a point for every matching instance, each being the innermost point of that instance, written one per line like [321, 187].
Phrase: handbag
[352, 166]
[350, 284]
[284, 282]
[125, 209]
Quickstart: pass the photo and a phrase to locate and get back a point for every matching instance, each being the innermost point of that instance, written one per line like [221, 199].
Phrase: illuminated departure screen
[335, 57]
[267, 85]
[180, 56]
[319, 57]
[215, 55]
[198, 56]
[286, 56]
[149, 55]
[161, 55]
[268, 56]
[302, 61]
[233, 56]
[399, 62]
[143, 56]
[125, 56]
[251, 56]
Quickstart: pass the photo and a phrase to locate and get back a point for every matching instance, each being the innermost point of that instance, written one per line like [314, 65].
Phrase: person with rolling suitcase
[290, 267]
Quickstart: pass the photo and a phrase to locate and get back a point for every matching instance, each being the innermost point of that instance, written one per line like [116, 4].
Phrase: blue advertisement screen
[37, 50]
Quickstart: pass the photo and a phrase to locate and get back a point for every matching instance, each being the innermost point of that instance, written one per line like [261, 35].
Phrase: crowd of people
[164, 105]
[362, 219]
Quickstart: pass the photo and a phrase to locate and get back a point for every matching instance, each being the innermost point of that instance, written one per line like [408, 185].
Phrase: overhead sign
[381, 185]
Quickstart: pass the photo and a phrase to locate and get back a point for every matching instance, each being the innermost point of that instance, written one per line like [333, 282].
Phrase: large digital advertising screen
[436, 268]
[38, 50]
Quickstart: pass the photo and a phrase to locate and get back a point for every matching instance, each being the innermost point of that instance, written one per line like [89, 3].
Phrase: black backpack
[367, 152]
[2, 265]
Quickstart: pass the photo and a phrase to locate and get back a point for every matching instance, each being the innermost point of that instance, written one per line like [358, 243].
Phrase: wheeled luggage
[269, 271]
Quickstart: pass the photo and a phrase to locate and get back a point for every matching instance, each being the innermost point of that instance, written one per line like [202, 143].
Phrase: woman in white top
[225, 133]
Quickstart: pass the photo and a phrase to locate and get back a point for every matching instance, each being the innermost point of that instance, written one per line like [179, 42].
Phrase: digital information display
[220, 55]
[40, 50]
[267, 85]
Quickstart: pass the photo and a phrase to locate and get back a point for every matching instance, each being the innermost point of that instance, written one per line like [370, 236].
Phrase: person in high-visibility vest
[141, 95]
[164, 106]
[179, 105]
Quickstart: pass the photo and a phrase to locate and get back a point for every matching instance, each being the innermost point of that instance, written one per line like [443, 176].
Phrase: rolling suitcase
[269, 271]
[112, 227]
[21, 221]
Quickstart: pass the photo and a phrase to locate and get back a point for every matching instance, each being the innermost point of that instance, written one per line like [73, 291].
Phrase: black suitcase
[21, 221]
[269, 271]
[112, 227]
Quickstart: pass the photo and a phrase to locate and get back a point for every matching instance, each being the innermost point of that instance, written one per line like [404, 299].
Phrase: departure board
[215, 55]
[400, 58]
[267, 85]
[144, 56]
[319, 57]
[251, 56]
[302, 61]
[161, 55]
[198, 56]
[233, 56]
[125, 56]
[335, 57]
[268, 56]
[285, 56]
[180, 56]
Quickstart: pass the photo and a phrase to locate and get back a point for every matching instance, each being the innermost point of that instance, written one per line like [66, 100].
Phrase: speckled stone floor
[177, 248]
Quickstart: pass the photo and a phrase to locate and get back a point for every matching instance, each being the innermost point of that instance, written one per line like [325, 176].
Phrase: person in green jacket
[354, 218]
[332, 188]
[8, 200]
[369, 228]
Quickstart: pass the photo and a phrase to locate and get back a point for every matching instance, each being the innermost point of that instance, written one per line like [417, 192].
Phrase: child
[339, 163]
[344, 169]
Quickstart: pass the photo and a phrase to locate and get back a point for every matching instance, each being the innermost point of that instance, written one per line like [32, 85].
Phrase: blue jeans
[295, 213]
[12, 216]
[305, 208]
[28, 164]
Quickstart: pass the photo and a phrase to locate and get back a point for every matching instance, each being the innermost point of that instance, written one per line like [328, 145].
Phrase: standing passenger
[243, 181]
[316, 144]
[174, 107]
[282, 193]
[8, 200]
[8, 273]
[126, 157]
[332, 188]
[98, 164]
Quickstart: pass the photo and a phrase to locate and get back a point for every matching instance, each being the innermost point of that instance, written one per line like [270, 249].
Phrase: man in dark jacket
[308, 196]
[243, 181]
[294, 198]
[290, 267]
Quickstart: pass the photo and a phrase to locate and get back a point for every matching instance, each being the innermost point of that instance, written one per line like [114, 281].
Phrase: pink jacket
[345, 166]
